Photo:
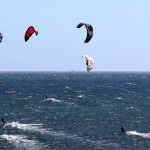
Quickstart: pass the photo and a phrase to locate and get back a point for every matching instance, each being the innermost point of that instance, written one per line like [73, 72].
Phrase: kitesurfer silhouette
[3, 121]
[123, 130]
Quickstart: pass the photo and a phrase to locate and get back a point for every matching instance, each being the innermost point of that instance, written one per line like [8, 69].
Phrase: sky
[121, 38]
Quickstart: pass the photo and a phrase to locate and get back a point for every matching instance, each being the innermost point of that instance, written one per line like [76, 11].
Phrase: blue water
[82, 111]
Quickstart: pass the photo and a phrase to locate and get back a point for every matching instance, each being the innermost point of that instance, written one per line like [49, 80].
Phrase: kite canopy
[89, 62]
[1, 36]
[89, 29]
[29, 33]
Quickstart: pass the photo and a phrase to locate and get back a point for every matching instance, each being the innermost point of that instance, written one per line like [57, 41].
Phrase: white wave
[53, 99]
[21, 142]
[26, 127]
[119, 97]
[144, 135]
[130, 107]
[80, 95]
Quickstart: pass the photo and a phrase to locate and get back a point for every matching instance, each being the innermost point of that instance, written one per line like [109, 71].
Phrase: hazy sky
[121, 40]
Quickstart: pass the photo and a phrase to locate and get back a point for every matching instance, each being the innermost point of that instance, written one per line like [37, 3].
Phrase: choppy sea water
[74, 110]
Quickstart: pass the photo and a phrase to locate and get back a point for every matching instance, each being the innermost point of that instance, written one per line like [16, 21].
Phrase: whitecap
[21, 142]
[119, 98]
[26, 127]
[80, 95]
[130, 107]
[54, 99]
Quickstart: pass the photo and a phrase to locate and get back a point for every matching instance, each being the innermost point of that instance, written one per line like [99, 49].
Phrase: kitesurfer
[3, 121]
[89, 62]
[123, 130]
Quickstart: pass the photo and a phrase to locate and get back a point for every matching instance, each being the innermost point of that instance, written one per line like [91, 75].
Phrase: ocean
[75, 110]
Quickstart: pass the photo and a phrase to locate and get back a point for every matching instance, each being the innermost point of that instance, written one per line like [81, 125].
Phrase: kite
[1, 36]
[89, 29]
[29, 33]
